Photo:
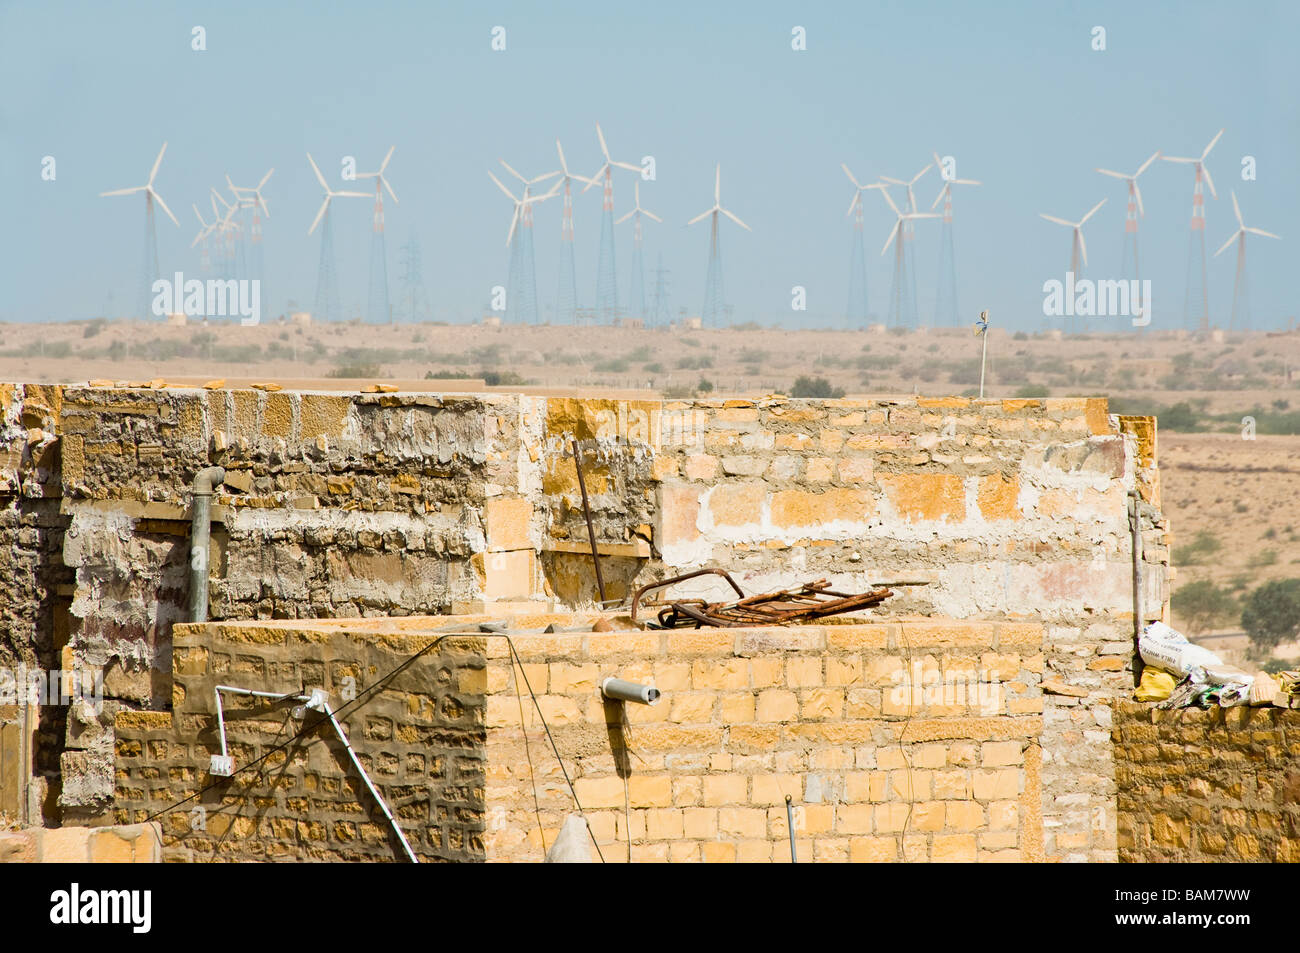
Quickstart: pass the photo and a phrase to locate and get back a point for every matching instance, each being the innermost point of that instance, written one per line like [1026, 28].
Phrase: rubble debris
[813, 600]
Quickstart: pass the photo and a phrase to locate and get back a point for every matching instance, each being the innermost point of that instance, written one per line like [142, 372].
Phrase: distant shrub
[355, 370]
[815, 387]
[1204, 545]
[1031, 392]
[1204, 605]
[1272, 613]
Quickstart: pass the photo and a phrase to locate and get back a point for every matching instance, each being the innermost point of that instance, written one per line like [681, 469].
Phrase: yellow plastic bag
[1156, 685]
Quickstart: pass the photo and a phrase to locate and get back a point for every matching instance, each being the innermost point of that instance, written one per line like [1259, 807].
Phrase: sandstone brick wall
[127, 844]
[421, 740]
[349, 505]
[1216, 785]
[949, 771]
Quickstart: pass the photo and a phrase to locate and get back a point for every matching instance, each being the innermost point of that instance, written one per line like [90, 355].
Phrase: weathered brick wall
[129, 844]
[421, 739]
[348, 505]
[1215, 785]
[949, 771]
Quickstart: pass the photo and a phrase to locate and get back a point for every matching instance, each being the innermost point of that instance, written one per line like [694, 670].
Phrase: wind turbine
[1133, 212]
[226, 234]
[638, 268]
[377, 301]
[945, 296]
[1240, 297]
[714, 304]
[521, 293]
[205, 263]
[1198, 235]
[327, 306]
[151, 270]
[566, 298]
[858, 311]
[250, 196]
[606, 273]
[1077, 245]
[902, 297]
[908, 235]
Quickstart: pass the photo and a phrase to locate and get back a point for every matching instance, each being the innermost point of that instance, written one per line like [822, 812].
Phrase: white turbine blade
[660, 220]
[217, 196]
[702, 215]
[911, 215]
[1236, 208]
[266, 178]
[351, 195]
[390, 190]
[384, 165]
[1179, 159]
[1225, 245]
[850, 175]
[636, 191]
[1083, 246]
[543, 178]
[1211, 145]
[509, 194]
[942, 192]
[560, 149]
[512, 171]
[514, 220]
[1058, 221]
[596, 178]
[1209, 181]
[892, 232]
[367, 175]
[627, 165]
[138, 188]
[857, 197]
[320, 178]
[164, 206]
[158, 161]
[1260, 231]
[624, 218]
[885, 178]
[938, 165]
[890, 200]
[1093, 212]
[197, 215]
[234, 188]
[736, 220]
[919, 174]
[321, 214]
[601, 136]
[1113, 175]
[966, 182]
[717, 184]
[1137, 194]
[1145, 165]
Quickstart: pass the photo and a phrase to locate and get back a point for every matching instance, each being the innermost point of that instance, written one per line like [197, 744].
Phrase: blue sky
[1013, 91]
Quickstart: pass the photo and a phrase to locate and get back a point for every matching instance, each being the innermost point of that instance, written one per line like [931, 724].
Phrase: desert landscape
[1229, 491]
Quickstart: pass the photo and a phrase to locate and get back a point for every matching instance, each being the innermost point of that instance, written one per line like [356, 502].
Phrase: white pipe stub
[629, 691]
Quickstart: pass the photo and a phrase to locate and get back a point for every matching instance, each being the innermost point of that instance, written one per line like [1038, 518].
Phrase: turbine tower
[1196, 246]
[908, 236]
[205, 260]
[1240, 298]
[902, 296]
[606, 272]
[858, 311]
[714, 300]
[250, 196]
[566, 297]
[1077, 248]
[377, 307]
[327, 307]
[151, 271]
[637, 302]
[946, 310]
[521, 286]
[1130, 264]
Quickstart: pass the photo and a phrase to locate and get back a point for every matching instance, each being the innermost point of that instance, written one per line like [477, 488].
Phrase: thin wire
[532, 773]
[563, 769]
[907, 723]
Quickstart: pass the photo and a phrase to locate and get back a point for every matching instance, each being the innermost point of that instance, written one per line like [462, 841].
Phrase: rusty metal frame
[813, 600]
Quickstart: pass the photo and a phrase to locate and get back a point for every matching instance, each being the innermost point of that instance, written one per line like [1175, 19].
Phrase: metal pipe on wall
[205, 481]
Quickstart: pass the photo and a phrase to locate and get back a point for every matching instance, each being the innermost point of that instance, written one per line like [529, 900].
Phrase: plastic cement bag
[1156, 685]
[1165, 648]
